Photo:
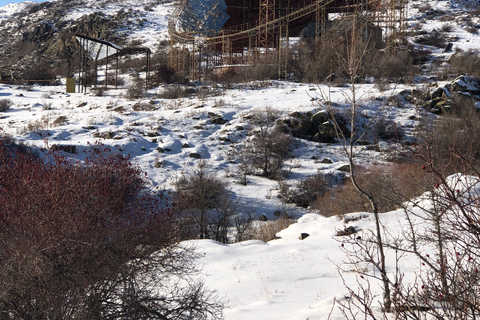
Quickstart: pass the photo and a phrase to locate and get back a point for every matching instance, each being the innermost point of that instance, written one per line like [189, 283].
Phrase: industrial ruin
[214, 34]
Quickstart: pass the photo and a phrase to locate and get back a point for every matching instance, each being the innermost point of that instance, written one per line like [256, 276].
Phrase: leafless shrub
[391, 185]
[465, 63]
[92, 243]
[434, 38]
[446, 18]
[143, 106]
[132, 64]
[267, 148]
[203, 201]
[5, 104]
[472, 30]
[457, 131]
[475, 12]
[37, 126]
[387, 129]
[385, 66]
[447, 27]
[98, 91]
[135, 90]
[262, 71]
[47, 105]
[308, 190]
[310, 65]
[443, 236]
[176, 91]
[60, 121]
[46, 95]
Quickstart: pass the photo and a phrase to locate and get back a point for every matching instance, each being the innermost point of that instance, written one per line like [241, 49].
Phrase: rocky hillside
[37, 38]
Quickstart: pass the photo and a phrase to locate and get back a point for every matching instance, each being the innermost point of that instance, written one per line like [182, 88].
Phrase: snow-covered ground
[287, 278]
[161, 138]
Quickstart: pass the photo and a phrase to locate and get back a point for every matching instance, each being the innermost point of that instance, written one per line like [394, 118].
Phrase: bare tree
[203, 201]
[448, 241]
[352, 64]
[267, 148]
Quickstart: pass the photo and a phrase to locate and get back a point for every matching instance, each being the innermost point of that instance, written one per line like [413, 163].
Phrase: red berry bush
[85, 239]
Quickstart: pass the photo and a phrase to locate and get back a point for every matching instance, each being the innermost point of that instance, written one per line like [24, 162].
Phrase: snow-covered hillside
[286, 278]
[162, 134]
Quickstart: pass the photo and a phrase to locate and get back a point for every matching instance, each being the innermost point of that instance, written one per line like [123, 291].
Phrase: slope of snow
[13, 8]
[293, 279]
[286, 278]
[182, 126]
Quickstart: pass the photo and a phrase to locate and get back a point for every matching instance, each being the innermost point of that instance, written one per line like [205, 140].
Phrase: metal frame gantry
[268, 35]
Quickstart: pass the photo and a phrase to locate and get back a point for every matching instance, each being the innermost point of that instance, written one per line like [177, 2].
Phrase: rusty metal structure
[96, 51]
[208, 34]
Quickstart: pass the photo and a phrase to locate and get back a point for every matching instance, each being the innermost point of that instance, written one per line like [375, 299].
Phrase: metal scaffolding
[266, 28]
[96, 50]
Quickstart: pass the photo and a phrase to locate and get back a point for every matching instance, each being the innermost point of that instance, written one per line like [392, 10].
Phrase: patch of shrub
[388, 66]
[60, 121]
[175, 92]
[5, 104]
[268, 230]
[465, 63]
[387, 129]
[309, 190]
[98, 91]
[143, 106]
[390, 185]
[472, 30]
[267, 148]
[434, 38]
[447, 27]
[346, 231]
[78, 236]
[204, 205]
[456, 132]
[135, 90]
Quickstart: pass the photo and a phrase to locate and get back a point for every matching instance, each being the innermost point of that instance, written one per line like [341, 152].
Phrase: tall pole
[106, 70]
[116, 72]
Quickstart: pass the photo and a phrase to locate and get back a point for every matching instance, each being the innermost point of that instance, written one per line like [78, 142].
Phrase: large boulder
[318, 127]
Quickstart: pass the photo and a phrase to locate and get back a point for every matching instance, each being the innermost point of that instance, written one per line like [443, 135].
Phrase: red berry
[437, 185]
[428, 255]
[424, 167]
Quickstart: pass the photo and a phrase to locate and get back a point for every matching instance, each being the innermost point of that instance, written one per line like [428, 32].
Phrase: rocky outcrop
[42, 40]
[466, 85]
[443, 98]
[316, 127]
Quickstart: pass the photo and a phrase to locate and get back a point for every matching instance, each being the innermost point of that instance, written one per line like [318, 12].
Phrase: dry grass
[268, 230]
[390, 185]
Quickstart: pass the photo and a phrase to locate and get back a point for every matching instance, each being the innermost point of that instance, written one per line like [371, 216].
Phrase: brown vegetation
[390, 184]
[85, 240]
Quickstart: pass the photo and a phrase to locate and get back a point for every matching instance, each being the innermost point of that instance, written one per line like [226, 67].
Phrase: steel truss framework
[195, 53]
[97, 50]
